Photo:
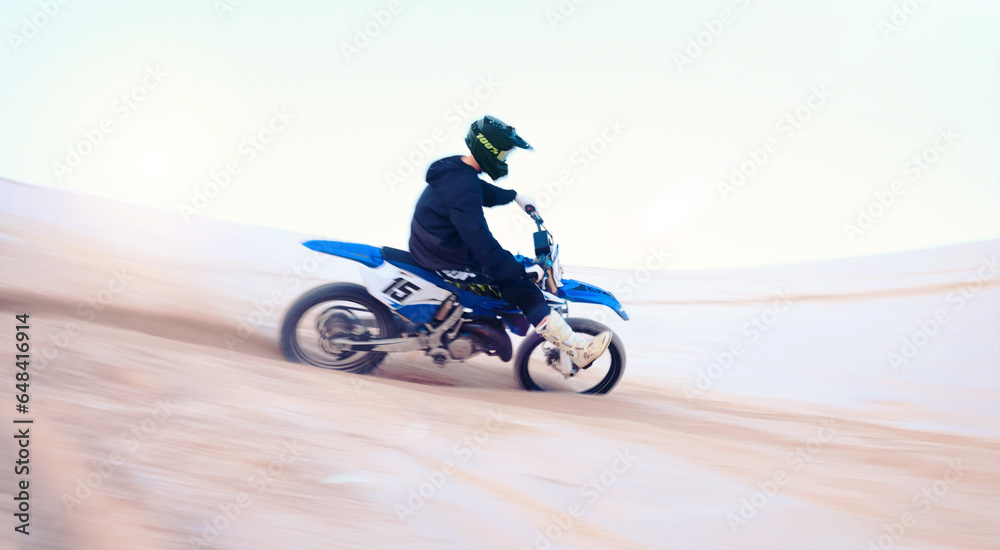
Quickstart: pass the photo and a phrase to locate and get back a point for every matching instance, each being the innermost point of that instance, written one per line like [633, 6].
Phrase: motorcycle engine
[464, 347]
[484, 335]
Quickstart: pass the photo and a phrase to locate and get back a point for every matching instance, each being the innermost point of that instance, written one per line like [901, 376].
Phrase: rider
[449, 233]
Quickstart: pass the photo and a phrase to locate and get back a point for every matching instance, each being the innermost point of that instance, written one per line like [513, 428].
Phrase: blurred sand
[810, 440]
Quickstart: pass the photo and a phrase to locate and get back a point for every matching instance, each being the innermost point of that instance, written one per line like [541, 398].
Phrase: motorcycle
[403, 307]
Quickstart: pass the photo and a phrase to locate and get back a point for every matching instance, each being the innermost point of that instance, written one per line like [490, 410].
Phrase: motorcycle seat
[399, 258]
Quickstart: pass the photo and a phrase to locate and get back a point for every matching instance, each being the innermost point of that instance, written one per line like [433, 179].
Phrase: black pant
[526, 296]
[519, 292]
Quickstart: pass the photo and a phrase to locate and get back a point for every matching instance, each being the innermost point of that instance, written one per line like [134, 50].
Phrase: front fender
[577, 291]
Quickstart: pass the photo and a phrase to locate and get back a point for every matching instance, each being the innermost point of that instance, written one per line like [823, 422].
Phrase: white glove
[535, 273]
[524, 201]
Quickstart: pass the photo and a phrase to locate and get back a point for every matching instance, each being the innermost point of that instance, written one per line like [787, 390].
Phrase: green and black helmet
[490, 140]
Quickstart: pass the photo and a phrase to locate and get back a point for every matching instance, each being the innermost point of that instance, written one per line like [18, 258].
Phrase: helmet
[489, 141]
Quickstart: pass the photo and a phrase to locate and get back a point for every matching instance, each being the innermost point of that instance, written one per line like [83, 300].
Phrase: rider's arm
[465, 210]
[495, 196]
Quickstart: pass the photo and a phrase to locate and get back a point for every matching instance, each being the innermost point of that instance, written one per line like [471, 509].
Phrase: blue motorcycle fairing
[372, 256]
[577, 291]
[418, 313]
[367, 255]
[480, 305]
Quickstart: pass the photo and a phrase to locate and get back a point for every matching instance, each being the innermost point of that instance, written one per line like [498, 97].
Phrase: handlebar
[547, 250]
[533, 212]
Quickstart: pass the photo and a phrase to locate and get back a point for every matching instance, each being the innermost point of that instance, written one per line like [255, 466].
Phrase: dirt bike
[349, 327]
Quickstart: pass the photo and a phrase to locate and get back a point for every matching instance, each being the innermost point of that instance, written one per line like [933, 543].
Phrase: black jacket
[449, 229]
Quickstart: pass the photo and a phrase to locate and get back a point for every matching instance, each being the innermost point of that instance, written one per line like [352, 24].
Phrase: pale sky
[819, 107]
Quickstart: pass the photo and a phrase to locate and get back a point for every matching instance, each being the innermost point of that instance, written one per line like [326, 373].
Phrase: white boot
[583, 352]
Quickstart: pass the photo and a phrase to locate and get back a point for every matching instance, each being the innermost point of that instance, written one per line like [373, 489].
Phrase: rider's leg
[550, 325]
[526, 296]
[580, 348]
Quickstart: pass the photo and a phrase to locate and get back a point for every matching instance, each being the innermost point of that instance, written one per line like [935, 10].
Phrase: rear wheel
[537, 362]
[332, 312]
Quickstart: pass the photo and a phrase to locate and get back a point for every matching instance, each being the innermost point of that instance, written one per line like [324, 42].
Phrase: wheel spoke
[333, 320]
[542, 367]
[331, 313]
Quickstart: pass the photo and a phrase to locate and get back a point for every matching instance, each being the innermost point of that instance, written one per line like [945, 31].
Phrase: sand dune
[165, 417]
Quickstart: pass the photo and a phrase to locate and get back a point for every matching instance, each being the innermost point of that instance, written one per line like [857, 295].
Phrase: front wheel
[537, 361]
[336, 312]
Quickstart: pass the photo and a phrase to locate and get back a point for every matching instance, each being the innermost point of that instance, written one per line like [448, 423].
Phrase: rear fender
[407, 293]
[364, 254]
